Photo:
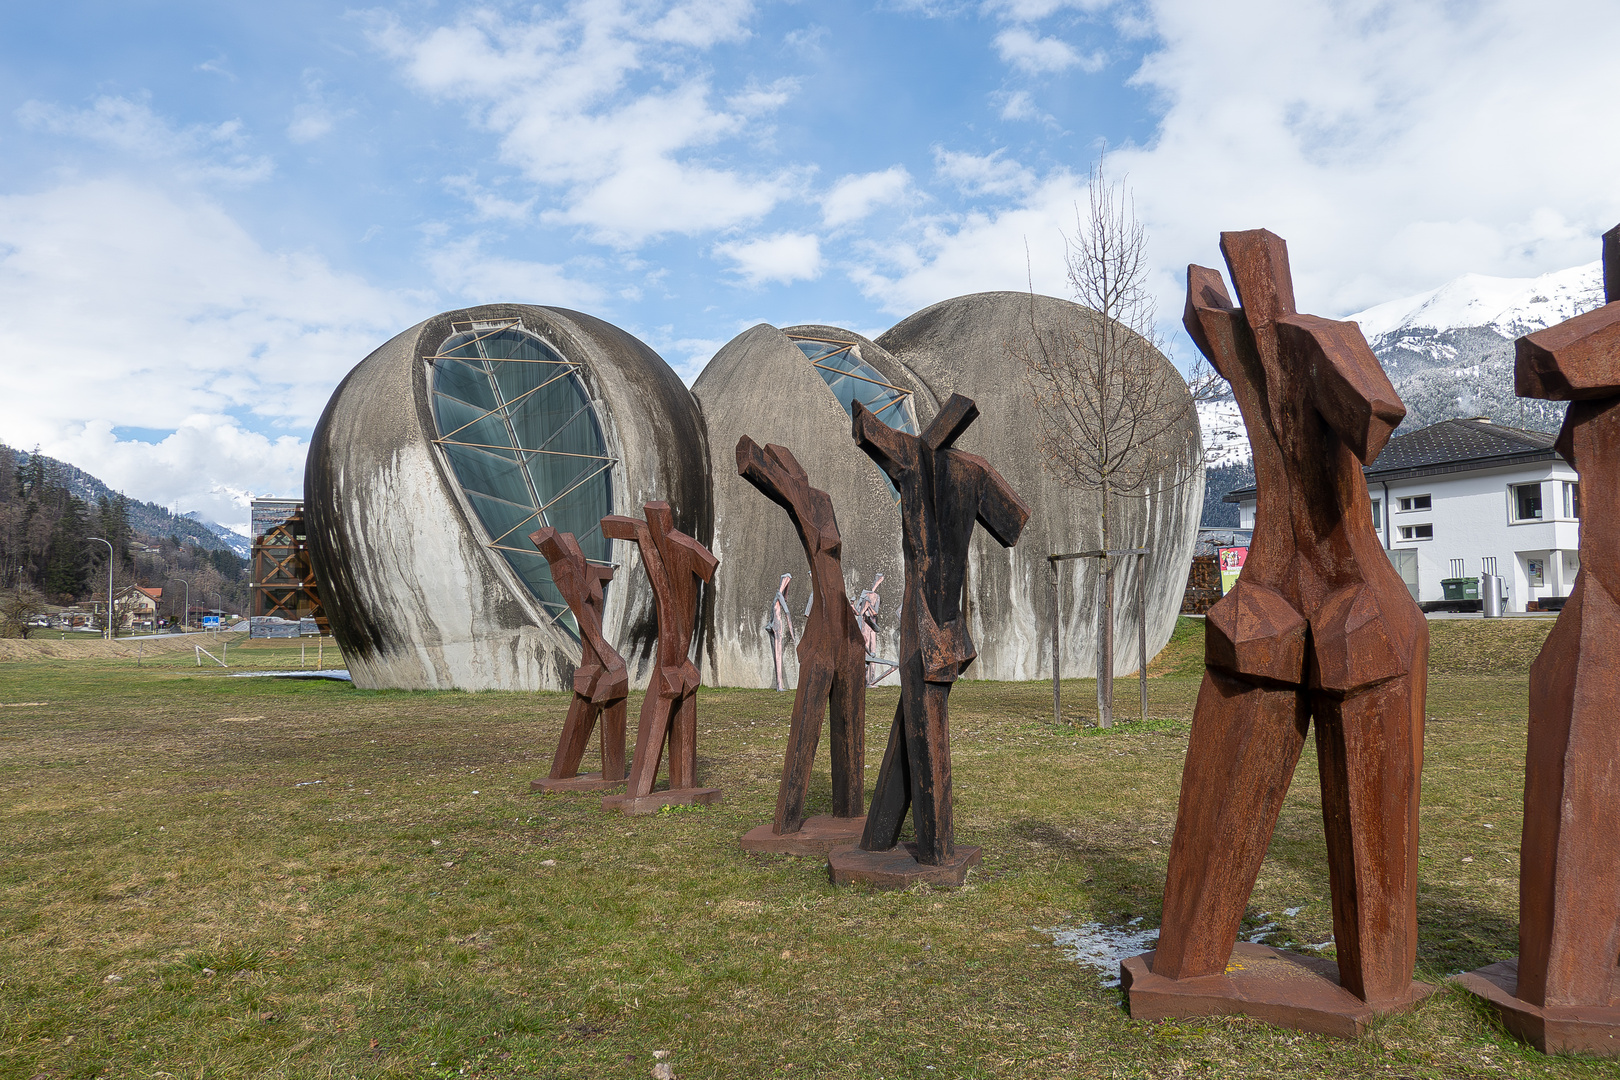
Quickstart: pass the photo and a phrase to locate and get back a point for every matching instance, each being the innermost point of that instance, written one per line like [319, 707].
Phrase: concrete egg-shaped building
[971, 345]
[444, 449]
[795, 387]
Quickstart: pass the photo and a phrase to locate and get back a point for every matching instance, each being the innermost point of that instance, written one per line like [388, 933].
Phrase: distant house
[1204, 576]
[137, 606]
[1462, 497]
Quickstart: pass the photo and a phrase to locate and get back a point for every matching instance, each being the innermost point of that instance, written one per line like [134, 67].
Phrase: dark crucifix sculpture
[601, 681]
[943, 492]
[1319, 627]
[832, 667]
[1562, 993]
[674, 563]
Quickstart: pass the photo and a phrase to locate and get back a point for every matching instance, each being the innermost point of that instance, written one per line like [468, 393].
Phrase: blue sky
[210, 212]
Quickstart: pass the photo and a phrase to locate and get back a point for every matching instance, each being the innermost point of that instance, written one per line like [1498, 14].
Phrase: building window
[852, 379]
[1527, 502]
[519, 429]
[1413, 502]
[1378, 513]
[1572, 500]
[1417, 532]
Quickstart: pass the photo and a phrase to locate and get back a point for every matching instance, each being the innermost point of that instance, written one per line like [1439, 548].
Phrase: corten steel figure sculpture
[669, 712]
[1319, 626]
[1562, 993]
[832, 663]
[601, 681]
[779, 628]
[943, 491]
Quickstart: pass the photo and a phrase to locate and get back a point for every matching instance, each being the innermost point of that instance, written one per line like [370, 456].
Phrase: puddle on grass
[1101, 947]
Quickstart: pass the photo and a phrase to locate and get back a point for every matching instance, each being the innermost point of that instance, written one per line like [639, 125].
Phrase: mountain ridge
[147, 518]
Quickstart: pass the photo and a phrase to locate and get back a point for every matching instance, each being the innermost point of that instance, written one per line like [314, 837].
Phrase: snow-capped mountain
[233, 539]
[1226, 441]
[1508, 306]
[1449, 352]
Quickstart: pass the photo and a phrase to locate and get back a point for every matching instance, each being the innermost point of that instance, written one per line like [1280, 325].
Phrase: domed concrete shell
[416, 598]
[965, 346]
[762, 386]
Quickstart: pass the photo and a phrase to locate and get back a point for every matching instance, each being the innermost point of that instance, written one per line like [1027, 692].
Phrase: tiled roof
[1452, 442]
[1448, 447]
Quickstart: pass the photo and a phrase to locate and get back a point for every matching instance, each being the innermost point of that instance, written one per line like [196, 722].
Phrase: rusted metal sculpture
[1562, 993]
[1319, 627]
[943, 492]
[779, 628]
[832, 662]
[674, 563]
[601, 681]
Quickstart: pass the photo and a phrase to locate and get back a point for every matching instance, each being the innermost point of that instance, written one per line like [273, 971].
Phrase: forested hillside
[47, 523]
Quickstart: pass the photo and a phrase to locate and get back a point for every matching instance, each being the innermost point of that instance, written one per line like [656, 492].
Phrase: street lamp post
[109, 583]
[185, 616]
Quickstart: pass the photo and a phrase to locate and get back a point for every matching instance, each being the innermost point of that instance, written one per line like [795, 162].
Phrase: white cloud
[1020, 105]
[764, 99]
[122, 306]
[1035, 10]
[488, 205]
[854, 197]
[986, 174]
[208, 464]
[314, 117]
[1036, 55]
[595, 103]
[1394, 147]
[785, 258]
[979, 252]
[198, 152]
[464, 268]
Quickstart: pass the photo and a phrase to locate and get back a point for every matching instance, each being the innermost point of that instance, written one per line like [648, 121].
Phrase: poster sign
[1231, 566]
[1535, 570]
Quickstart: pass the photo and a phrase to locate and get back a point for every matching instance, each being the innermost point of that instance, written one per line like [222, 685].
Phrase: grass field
[203, 876]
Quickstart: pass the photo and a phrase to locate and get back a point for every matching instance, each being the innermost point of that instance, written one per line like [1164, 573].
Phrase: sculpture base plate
[1282, 988]
[637, 805]
[1553, 1029]
[898, 867]
[817, 836]
[582, 782]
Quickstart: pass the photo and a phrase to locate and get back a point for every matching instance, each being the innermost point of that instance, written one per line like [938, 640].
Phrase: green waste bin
[1460, 588]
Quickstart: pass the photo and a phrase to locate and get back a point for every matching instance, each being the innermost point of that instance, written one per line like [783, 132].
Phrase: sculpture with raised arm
[832, 661]
[1320, 628]
[866, 610]
[601, 681]
[674, 563]
[943, 493]
[779, 628]
[1562, 993]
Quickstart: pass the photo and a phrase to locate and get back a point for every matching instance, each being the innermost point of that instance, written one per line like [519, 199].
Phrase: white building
[1465, 496]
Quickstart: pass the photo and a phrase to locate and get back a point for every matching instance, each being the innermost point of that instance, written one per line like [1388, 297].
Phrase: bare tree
[1109, 403]
[20, 605]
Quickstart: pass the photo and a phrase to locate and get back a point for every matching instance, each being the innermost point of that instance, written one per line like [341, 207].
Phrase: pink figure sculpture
[866, 610]
[779, 627]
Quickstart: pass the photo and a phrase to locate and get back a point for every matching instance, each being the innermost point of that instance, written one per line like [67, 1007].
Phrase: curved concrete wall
[416, 598]
[761, 385]
[964, 345]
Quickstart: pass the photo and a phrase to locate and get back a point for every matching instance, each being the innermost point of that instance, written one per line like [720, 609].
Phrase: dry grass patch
[210, 876]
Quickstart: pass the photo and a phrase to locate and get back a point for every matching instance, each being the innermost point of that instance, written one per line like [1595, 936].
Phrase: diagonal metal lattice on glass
[852, 379]
[518, 427]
